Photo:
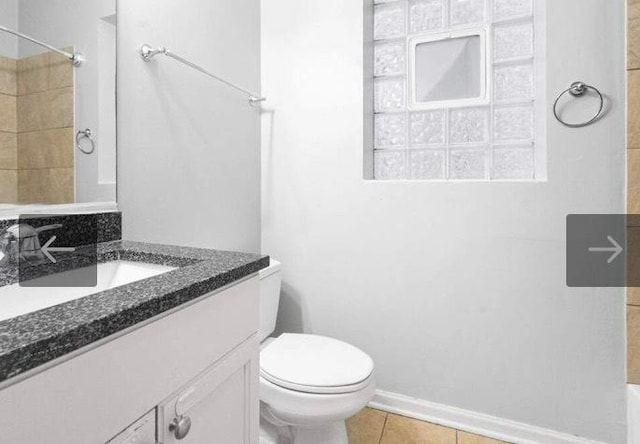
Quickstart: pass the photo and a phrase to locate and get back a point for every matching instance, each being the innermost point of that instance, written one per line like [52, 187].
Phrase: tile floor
[377, 427]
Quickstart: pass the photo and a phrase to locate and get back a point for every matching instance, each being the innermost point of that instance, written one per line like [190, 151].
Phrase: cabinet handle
[180, 426]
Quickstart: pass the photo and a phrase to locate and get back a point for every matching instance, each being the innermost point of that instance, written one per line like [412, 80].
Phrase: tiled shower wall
[8, 131]
[633, 180]
[36, 130]
[45, 129]
[494, 142]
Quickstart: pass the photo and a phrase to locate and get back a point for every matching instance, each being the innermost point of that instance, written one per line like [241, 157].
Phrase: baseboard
[472, 422]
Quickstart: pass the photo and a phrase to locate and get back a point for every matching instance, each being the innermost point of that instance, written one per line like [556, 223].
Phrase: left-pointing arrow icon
[46, 248]
[615, 249]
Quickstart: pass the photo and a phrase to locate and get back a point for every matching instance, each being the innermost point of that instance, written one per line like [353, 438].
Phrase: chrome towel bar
[147, 52]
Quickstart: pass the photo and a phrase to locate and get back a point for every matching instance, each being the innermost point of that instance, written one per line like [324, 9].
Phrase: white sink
[16, 300]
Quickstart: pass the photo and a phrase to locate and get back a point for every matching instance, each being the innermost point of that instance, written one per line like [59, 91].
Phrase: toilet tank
[270, 281]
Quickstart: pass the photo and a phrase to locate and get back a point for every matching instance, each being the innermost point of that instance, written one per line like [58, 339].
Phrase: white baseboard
[472, 422]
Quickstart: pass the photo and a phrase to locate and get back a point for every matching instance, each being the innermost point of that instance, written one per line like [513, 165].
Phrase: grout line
[43, 130]
[43, 91]
[47, 168]
[384, 426]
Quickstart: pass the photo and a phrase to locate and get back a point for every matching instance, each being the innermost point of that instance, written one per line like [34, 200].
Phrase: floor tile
[470, 438]
[401, 430]
[366, 427]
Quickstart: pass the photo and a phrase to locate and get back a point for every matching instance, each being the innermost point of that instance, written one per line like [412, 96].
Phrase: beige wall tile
[366, 427]
[8, 117]
[8, 77]
[33, 74]
[8, 186]
[633, 296]
[46, 149]
[60, 71]
[45, 110]
[633, 106]
[50, 185]
[633, 344]
[470, 438]
[32, 112]
[60, 109]
[8, 151]
[633, 181]
[633, 258]
[633, 34]
[401, 430]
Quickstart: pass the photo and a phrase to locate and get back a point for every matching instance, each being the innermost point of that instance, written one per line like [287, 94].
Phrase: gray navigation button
[596, 255]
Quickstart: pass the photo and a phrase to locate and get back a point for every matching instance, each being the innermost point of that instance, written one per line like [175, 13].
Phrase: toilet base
[332, 433]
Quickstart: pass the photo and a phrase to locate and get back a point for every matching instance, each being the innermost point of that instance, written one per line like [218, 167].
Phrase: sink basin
[16, 300]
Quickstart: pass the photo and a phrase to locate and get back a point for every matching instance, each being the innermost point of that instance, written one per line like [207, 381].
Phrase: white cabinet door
[219, 406]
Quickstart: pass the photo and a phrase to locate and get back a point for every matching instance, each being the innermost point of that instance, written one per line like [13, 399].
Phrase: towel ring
[578, 89]
[85, 134]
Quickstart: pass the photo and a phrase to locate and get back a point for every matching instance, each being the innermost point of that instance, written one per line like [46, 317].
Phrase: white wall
[457, 290]
[188, 146]
[9, 19]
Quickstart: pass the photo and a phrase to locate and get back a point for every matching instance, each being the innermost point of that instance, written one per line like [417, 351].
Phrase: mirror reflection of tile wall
[36, 129]
[8, 131]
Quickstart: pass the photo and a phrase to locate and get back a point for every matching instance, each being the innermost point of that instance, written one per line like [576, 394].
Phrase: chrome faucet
[21, 242]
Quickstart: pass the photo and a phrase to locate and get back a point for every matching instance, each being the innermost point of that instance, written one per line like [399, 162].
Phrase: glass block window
[454, 140]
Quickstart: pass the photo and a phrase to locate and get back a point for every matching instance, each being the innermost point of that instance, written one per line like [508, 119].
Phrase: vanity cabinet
[199, 360]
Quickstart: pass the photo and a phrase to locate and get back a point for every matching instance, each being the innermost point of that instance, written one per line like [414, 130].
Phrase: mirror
[57, 102]
[448, 70]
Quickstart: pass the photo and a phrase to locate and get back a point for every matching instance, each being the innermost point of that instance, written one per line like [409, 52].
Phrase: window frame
[414, 40]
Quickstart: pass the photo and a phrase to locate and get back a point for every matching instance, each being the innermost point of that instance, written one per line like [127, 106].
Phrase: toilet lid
[315, 364]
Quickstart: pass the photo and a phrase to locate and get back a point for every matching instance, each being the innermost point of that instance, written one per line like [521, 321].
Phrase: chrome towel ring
[578, 89]
[85, 134]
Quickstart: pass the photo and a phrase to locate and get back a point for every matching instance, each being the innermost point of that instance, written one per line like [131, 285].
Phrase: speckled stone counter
[33, 339]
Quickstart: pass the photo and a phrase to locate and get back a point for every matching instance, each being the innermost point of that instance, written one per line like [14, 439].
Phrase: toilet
[309, 384]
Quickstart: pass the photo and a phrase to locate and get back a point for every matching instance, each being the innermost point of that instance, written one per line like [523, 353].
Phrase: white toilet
[309, 384]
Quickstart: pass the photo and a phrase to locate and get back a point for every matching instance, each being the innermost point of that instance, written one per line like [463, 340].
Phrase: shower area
[56, 93]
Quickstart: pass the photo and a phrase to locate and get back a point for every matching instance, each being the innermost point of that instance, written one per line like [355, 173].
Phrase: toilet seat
[315, 364]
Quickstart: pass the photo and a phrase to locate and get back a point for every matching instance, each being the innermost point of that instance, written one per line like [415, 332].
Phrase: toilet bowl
[309, 384]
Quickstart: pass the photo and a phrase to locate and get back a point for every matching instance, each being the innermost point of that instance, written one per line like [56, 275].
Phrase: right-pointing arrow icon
[615, 249]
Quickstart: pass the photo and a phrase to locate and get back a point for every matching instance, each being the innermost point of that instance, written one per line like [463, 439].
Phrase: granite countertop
[33, 339]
